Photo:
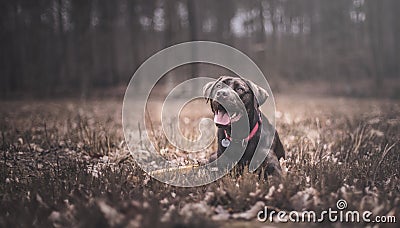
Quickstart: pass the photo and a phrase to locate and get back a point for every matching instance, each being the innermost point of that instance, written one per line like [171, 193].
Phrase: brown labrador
[224, 95]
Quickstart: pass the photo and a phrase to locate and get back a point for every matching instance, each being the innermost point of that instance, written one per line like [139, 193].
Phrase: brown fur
[252, 97]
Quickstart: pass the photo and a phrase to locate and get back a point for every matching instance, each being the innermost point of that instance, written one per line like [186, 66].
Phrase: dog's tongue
[222, 118]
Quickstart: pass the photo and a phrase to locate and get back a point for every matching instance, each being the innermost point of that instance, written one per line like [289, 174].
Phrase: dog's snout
[222, 93]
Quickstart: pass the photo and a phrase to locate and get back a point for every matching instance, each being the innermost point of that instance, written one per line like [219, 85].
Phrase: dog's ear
[259, 93]
[207, 88]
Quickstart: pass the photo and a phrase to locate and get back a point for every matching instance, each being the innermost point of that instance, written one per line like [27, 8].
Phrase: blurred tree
[77, 46]
[193, 31]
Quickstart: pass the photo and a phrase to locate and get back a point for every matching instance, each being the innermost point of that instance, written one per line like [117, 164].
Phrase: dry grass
[65, 163]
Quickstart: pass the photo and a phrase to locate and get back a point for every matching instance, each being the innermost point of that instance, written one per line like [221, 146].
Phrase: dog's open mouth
[221, 117]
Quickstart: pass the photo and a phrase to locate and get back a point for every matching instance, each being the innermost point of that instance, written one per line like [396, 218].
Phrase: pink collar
[250, 136]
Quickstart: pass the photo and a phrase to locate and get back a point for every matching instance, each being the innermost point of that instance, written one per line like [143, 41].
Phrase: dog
[223, 96]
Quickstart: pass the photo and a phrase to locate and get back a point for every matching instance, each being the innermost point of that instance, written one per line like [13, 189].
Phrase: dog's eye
[240, 90]
[218, 86]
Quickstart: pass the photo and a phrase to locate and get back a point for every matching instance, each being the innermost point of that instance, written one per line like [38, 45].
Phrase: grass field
[65, 163]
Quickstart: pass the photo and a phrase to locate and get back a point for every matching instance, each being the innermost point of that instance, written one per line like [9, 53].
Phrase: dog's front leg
[271, 165]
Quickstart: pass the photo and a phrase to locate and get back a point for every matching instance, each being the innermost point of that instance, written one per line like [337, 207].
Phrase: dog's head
[227, 93]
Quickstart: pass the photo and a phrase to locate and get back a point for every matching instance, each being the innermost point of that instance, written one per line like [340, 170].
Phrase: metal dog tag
[225, 142]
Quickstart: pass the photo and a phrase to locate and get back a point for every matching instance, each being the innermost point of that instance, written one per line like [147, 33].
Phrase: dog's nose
[222, 93]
